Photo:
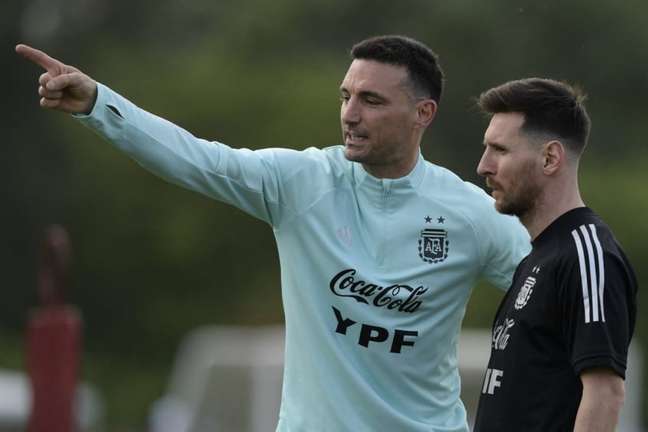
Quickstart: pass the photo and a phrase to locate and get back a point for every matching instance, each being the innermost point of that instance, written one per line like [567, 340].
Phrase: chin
[519, 209]
[505, 208]
[353, 156]
[501, 209]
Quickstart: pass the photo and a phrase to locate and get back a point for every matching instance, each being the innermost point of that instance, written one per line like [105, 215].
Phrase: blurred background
[151, 261]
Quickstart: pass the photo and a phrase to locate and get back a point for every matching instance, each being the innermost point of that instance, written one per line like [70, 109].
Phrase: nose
[350, 111]
[485, 166]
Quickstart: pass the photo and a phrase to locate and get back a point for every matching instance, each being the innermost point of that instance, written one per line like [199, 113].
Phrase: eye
[373, 101]
[344, 98]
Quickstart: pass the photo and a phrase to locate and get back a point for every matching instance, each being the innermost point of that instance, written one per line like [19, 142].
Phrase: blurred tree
[153, 261]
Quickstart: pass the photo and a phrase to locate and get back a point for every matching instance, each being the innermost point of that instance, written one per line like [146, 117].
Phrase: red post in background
[53, 341]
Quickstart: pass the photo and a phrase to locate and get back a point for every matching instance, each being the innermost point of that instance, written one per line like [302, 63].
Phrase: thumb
[61, 82]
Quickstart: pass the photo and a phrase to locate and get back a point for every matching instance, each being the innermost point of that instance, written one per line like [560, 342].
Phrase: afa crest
[433, 245]
[525, 293]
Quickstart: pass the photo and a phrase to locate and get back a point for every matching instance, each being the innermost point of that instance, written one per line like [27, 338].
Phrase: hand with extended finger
[62, 87]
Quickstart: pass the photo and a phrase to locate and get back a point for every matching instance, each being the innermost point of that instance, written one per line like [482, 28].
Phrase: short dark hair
[549, 107]
[421, 62]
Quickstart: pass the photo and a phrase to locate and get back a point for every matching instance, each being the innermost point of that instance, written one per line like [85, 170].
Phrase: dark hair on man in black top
[549, 107]
[421, 62]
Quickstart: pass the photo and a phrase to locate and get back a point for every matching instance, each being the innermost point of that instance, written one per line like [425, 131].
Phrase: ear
[554, 156]
[425, 112]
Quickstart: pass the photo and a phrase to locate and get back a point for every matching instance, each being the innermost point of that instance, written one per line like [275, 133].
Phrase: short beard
[521, 201]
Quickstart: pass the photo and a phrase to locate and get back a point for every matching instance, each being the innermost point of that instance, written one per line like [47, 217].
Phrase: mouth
[491, 185]
[354, 138]
[495, 189]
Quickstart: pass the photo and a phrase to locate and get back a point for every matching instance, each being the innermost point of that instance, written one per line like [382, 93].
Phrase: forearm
[167, 150]
[160, 146]
[600, 407]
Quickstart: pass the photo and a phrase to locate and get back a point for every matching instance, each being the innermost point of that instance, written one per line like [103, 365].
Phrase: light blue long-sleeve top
[375, 273]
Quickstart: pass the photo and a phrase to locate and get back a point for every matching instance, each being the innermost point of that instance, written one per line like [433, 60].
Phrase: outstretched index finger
[53, 66]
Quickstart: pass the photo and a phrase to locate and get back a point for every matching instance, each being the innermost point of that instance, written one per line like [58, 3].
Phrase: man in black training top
[561, 334]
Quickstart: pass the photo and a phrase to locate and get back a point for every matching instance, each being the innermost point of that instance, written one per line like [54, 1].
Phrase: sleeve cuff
[98, 100]
[603, 361]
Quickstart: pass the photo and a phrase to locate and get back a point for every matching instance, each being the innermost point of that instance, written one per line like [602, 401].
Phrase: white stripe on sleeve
[592, 274]
[601, 266]
[583, 273]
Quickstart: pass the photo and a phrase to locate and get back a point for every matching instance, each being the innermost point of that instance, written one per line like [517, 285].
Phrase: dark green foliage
[153, 261]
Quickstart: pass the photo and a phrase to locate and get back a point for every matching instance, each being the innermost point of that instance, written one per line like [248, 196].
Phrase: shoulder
[334, 158]
[328, 156]
[587, 237]
[308, 162]
[590, 252]
[447, 188]
[445, 185]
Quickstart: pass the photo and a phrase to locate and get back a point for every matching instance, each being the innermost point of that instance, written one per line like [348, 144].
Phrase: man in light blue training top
[379, 249]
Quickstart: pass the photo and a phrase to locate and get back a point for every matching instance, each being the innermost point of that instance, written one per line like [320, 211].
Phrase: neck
[391, 171]
[550, 205]
[399, 165]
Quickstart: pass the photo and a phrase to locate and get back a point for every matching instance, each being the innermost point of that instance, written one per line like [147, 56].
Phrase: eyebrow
[493, 144]
[366, 94]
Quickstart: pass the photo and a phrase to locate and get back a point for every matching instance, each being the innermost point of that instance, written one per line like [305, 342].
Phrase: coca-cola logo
[501, 334]
[345, 284]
